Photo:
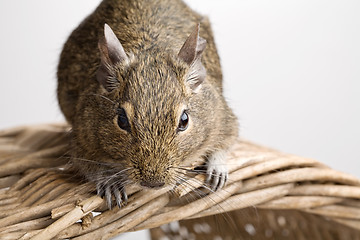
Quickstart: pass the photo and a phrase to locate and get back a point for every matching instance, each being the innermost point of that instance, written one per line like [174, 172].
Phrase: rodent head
[150, 112]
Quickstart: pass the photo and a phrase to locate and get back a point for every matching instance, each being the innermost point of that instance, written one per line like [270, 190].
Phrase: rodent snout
[154, 184]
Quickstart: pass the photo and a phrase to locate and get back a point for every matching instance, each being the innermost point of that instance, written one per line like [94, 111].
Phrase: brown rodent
[143, 96]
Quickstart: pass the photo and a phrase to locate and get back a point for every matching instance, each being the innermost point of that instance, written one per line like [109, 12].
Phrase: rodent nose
[152, 184]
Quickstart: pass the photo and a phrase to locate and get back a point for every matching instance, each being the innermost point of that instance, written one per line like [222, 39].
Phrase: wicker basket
[270, 195]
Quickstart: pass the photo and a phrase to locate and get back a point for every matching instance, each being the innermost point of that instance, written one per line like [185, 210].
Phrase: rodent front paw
[217, 172]
[108, 190]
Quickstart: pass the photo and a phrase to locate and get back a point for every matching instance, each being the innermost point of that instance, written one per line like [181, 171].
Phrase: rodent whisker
[194, 190]
[186, 179]
[94, 94]
[184, 168]
[203, 184]
[201, 194]
[208, 188]
[96, 162]
[200, 171]
[197, 194]
[116, 174]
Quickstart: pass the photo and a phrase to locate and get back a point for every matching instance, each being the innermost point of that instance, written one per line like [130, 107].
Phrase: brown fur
[153, 90]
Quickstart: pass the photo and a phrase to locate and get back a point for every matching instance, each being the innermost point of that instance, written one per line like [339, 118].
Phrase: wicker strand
[40, 198]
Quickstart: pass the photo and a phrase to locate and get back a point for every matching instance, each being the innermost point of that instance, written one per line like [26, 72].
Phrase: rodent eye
[123, 121]
[184, 121]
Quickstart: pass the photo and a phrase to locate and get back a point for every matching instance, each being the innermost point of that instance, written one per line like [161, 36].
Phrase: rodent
[140, 82]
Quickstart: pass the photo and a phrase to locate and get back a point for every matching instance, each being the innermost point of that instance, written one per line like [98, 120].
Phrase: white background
[291, 69]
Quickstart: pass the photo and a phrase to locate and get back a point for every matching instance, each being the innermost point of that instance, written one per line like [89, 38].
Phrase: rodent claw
[117, 196]
[108, 196]
[217, 173]
[120, 196]
[100, 190]
[208, 176]
[215, 180]
[223, 180]
[124, 196]
[108, 191]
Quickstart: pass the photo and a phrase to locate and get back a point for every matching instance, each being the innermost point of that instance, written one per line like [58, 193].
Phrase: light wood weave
[269, 195]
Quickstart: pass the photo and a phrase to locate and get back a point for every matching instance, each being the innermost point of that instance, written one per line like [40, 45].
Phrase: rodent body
[143, 95]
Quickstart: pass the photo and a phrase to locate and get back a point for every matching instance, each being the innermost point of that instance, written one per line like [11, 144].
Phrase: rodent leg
[108, 190]
[217, 171]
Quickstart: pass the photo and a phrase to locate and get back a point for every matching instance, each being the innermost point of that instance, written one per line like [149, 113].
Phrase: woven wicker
[270, 195]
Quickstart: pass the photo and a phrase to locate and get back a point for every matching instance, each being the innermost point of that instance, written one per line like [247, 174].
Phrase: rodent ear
[111, 53]
[190, 53]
